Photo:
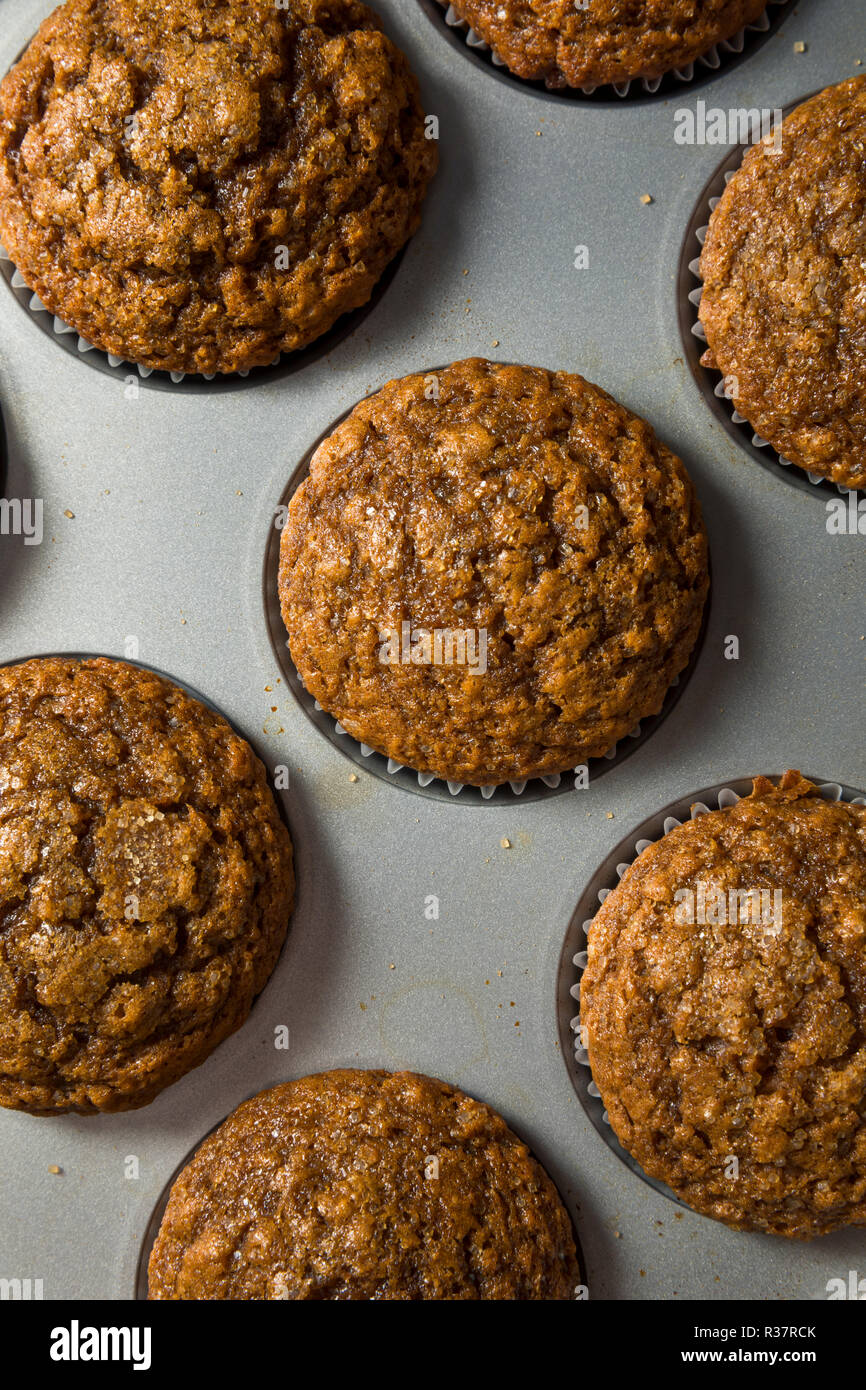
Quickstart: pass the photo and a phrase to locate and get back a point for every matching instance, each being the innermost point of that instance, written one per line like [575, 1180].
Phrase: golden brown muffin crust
[508, 500]
[145, 884]
[607, 41]
[785, 286]
[728, 1040]
[364, 1185]
[199, 186]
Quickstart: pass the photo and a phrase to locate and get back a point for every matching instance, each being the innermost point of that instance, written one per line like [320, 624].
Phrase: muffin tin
[172, 494]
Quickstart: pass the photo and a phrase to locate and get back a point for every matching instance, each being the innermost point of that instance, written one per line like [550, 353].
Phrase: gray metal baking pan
[418, 939]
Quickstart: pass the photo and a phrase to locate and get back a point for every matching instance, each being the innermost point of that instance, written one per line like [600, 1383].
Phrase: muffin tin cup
[151, 1231]
[720, 57]
[573, 958]
[140, 1291]
[128, 373]
[709, 380]
[425, 783]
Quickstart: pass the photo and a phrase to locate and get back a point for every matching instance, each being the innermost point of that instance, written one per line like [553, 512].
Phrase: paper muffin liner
[427, 783]
[722, 55]
[573, 960]
[128, 372]
[709, 379]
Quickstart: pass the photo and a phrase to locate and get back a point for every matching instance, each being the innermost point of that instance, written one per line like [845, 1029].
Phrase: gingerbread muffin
[567, 45]
[145, 884]
[785, 283]
[492, 572]
[364, 1185]
[724, 1011]
[200, 185]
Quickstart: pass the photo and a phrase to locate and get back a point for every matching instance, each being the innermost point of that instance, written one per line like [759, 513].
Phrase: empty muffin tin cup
[720, 57]
[131, 375]
[573, 959]
[425, 783]
[711, 382]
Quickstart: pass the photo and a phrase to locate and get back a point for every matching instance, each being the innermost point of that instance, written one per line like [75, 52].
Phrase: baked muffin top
[199, 185]
[145, 884]
[728, 1037]
[364, 1185]
[785, 284]
[524, 511]
[564, 45]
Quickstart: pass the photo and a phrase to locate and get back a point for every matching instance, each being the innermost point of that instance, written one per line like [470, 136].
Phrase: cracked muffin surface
[729, 1043]
[146, 884]
[784, 287]
[200, 185]
[515, 507]
[559, 43]
[364, 1185]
